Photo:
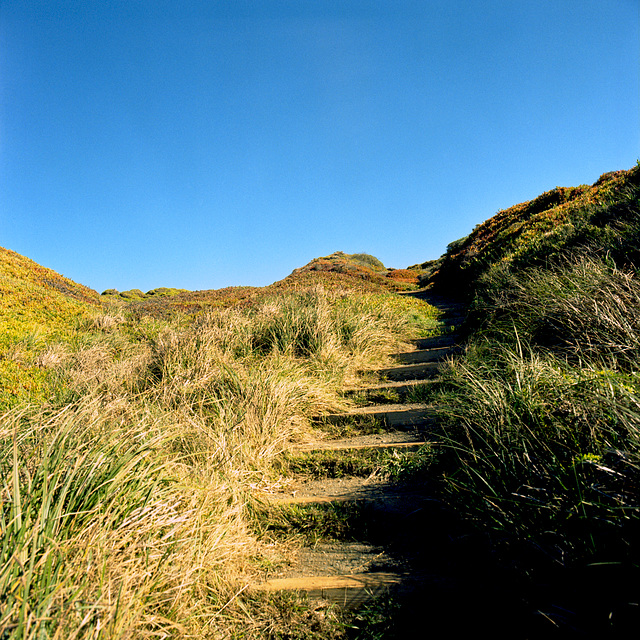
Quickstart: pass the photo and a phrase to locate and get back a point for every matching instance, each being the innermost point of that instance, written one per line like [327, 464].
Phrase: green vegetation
[601, 219]
[38, 308]
[136, 427]
[542, 412]
[131, 451]
[366, 260]
[338, 272]
[545, 410]
[137, 294]
[312, 523]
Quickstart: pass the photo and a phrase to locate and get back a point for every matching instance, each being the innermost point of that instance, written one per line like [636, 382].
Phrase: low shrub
[132, 294]
[367, 260]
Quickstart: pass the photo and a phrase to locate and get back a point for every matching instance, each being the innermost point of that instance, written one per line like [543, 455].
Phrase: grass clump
[312, 523]
[544, 411]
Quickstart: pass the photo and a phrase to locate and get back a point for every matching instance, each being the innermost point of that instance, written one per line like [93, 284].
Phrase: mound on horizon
[359, 272]
[359, 266]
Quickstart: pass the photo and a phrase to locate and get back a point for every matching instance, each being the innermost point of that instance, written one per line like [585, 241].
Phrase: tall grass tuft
[543, 411]
[584, 308]
[70, 491]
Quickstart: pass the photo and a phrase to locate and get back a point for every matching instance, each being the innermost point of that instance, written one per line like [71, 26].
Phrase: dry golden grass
[126, 499]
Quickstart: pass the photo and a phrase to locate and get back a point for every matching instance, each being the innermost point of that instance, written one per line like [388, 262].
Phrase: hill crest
[538, 229]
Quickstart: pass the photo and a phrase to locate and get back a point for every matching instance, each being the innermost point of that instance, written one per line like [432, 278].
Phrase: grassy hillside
[600, 219]
[37, 307]
[133, 433]
[542, 412]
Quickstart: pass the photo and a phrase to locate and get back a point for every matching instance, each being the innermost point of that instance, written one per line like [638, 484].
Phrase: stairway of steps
[400, 426]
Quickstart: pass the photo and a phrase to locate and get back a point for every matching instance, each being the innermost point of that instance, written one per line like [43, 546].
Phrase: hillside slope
[37, 306]
[34, 297]
[359, 272]
[542, 410]
[600, 219]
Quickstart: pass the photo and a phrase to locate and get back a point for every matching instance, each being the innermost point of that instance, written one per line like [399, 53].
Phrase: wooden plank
[447, 340]
[344, 590]
[434, 354]
[410, 371]
[285, 500]
[402, 387]
[403, 415]
[329, 446]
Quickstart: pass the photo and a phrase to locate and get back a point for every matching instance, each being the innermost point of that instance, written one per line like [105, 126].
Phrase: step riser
[410, 372]
[389, 420]
[376, 395]
[404, 446]
[406, 420]
[436, 342]
[347, 592]
[423, 356]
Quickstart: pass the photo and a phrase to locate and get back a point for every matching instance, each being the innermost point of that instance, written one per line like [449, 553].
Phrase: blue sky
[204, 144]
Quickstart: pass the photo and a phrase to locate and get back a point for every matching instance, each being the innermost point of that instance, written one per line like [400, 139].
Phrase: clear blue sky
[208, 143]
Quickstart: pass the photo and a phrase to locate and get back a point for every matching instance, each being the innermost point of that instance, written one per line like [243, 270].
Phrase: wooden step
[399, 389]
[420, 371]
[348, 591]
[392, 416]
[330, 445]
[448, 340]
[337, 491]
[419, 356]
[374, 493]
